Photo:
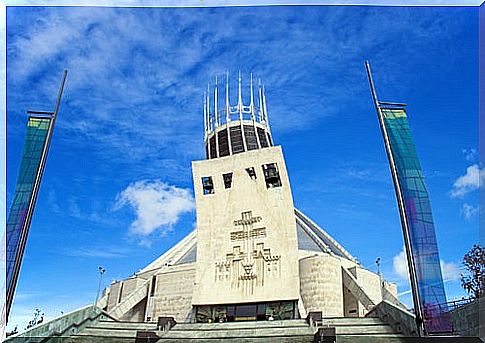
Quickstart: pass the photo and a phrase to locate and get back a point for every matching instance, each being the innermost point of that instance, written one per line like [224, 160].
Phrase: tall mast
[402, 210]
[25, 226]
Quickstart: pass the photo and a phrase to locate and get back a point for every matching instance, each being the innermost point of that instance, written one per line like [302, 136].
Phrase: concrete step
[364, 330]
[107, 333]
[350, 321]
[241, 333]
[301, 339]
[124, 325]
[94, 339]
[370, 339]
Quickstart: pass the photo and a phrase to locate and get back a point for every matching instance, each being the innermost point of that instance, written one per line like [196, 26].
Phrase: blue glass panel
[37, 129]
[420, 222]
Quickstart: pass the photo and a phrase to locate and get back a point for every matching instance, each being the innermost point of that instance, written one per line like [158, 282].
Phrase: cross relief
[249, 262]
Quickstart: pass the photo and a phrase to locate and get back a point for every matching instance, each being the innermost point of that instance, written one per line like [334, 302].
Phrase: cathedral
[253, 256]
[257, 269]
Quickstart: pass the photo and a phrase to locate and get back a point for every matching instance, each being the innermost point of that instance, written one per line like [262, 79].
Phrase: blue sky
[117, 189]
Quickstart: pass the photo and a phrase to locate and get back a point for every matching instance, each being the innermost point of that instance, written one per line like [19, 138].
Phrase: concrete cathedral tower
[253, 255]
[247, 240]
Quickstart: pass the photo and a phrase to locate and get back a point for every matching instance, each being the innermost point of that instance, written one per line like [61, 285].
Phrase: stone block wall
[174, 291]
[466, 319]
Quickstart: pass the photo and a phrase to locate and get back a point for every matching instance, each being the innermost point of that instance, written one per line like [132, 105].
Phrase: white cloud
[469, 182]
[470, 154]
[400, 265]
[157, 205]
[469, 211]
[450, 271]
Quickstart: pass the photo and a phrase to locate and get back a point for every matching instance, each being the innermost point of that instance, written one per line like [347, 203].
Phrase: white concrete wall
[271, 255]
[351, 304]
[137, 313]
[114, 294]
[371, 284]
[129, 285]
[391, 288]
[321, 285]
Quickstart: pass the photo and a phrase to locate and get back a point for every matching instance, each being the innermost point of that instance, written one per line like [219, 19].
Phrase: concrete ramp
[357, 291]
[140, 293]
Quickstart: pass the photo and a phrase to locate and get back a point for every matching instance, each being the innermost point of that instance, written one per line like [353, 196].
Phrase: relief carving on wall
[250, 262]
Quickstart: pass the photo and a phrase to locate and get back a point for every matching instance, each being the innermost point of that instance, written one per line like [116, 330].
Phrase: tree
[38, 318]
[474, 281]
[13, 332]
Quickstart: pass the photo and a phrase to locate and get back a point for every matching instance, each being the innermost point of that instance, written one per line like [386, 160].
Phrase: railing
[448, 306]
[65, 325]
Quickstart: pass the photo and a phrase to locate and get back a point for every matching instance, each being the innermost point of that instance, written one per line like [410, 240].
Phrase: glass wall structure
[419, 221]
[18, 218]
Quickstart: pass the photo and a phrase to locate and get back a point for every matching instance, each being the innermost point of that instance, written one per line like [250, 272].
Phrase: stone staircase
[110, 332]
[348, 330]
[362, 330]
[281, 331]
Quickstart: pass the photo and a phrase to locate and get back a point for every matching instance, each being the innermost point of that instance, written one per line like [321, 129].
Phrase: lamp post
[101, 272]
[378, 262]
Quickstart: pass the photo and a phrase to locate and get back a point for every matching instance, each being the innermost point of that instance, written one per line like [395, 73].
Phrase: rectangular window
[271, 175]
[251, 172]
[207, 185]
[227, 180]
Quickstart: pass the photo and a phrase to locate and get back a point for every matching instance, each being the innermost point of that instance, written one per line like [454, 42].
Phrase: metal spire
[240, 108]
[251, 106]
[253, 117]
[261, 114]
[228, 117]
[215, 104]
[208, 108]
[265, 109]
[239, 98]
[205, 116]
[216, 117]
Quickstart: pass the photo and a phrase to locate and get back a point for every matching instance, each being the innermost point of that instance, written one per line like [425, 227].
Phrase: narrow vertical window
[227, 180]
[251, 172]
[207, 185]
[271, 175]
[154, 283]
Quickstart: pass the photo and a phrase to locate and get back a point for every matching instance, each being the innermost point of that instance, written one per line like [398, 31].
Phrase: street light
[378, 262]
[101, 272]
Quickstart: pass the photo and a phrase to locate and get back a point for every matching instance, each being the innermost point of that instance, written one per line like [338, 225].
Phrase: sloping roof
[310, 236]
[319, 236]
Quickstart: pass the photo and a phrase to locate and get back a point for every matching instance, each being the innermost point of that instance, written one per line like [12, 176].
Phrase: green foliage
[38, 318]
[474, 282]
